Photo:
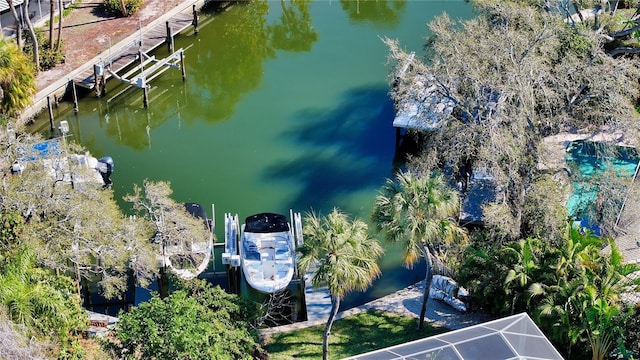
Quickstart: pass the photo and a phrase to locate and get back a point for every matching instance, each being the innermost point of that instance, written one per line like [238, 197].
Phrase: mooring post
[169, 37]
[145, 98]
[142, 81]
[96, 79]
[74, 94]
[103, 83]
[195, 20]
[184, 71]
[50, 113]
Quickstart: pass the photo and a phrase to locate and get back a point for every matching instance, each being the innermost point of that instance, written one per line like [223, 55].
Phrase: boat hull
[201, 249]
[267, 252]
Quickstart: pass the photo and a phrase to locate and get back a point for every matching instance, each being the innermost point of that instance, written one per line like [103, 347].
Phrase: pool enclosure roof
[513, 337]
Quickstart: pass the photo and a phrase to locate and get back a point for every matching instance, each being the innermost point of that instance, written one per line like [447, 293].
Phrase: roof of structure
[4, 5]
[426, 109]
[481, 190]
[513, 337]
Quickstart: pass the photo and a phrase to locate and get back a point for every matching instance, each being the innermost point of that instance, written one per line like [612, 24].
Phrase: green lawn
[354, 335]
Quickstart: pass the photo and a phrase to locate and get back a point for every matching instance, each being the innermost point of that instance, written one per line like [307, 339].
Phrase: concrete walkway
[407, 302]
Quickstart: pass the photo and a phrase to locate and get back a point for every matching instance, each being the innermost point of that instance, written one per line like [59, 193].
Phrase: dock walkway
[84, 73]
[148, 40]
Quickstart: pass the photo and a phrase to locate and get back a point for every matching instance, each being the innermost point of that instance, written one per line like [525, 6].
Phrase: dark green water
[284, 106]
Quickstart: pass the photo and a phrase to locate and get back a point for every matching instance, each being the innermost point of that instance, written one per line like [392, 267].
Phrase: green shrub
[131, 6]
[49, 57]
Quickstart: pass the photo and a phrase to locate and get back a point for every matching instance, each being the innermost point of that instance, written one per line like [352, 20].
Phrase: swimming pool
[587, 159]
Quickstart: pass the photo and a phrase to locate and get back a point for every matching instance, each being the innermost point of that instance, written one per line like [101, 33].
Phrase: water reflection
[385, 13]
[295, 31]
[238, 49]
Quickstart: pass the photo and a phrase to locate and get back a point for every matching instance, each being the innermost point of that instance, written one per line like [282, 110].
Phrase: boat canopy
[266, 223]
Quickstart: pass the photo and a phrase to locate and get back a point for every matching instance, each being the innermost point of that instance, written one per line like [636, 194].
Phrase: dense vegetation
[59, 232]
[123, 7]
[508, 80]
[196, 321]
[17, 79]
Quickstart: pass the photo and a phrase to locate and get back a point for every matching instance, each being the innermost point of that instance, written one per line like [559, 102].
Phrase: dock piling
[195, 20]
[99, 79]
[50, 114]
[74, 94]
[184, 71]
[96, 79]
[169, 37]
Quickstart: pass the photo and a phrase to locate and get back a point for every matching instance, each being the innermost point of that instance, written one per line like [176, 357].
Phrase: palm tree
[418, 210]
[17, 79]
[36, 298]
[521, 283]
[585, 300]
[344, 258]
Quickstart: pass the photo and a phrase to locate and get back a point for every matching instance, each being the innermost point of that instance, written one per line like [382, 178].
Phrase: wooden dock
[150, 39]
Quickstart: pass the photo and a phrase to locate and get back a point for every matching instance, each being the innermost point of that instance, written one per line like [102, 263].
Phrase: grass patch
[354, 335]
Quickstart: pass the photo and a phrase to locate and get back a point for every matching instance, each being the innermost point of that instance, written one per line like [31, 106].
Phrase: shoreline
[50, 91]
[405, 302]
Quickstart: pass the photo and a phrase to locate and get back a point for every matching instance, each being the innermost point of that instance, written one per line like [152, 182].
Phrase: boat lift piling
[74, 95]
[169, 40]
[194, 22]
[231, 255]
[141, 81]
[51, 120]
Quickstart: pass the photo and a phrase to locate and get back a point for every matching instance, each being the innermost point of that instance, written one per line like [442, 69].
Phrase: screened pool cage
[515, 337]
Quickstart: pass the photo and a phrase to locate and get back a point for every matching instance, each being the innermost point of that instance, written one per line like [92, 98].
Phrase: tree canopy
[198, 321]
[513, 75]
[502, 95]
[75, 228]
[42, 305]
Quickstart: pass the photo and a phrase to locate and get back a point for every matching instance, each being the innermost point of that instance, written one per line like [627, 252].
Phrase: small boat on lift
[54, 159]
[199, 251]
[264, 248]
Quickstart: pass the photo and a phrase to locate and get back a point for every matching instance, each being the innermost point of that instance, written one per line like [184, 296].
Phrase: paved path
[405, 302]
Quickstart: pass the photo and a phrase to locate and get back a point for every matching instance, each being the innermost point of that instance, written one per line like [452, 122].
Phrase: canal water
[285, 106]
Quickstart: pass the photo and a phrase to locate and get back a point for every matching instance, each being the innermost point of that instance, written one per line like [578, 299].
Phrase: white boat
[200, 250]
[265, 249]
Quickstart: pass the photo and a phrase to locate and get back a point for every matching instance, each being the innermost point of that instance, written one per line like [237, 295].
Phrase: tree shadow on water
[342, 150]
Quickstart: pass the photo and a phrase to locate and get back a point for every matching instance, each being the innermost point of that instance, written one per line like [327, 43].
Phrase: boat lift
[141, 77]
[297, 225]
[231, 256]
